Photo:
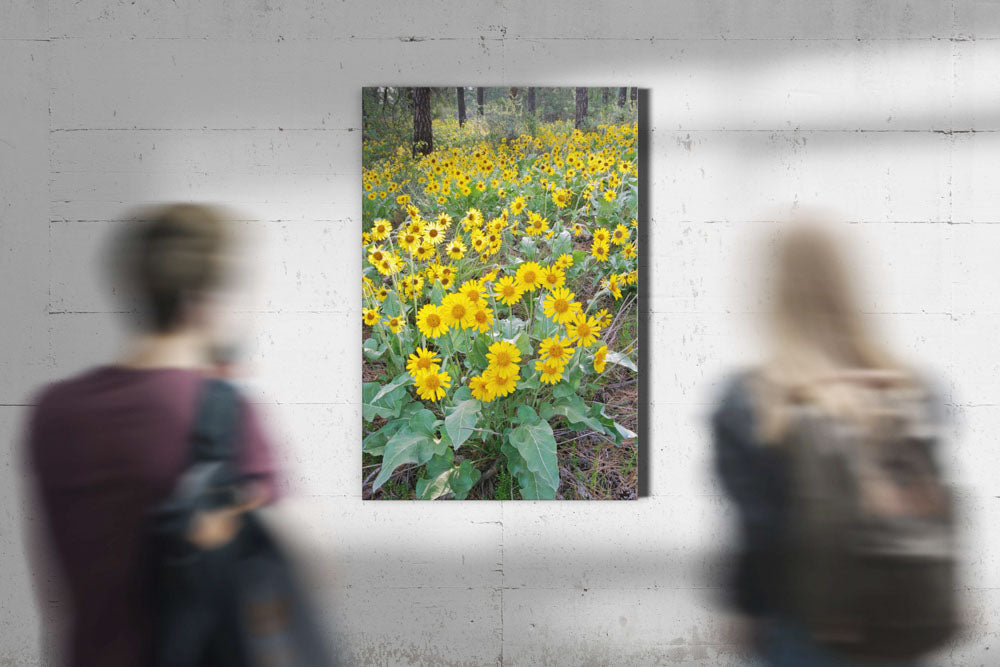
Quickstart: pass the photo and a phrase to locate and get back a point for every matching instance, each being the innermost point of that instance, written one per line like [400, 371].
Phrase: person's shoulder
[54, 394]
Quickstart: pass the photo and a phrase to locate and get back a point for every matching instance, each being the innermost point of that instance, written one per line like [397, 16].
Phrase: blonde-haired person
[108, 445]
[822, 353]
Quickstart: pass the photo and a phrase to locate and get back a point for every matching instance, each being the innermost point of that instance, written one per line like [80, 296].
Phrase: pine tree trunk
[461, 106]
[531, 100]
[622, 93]
[480, 99]
[581, 106]
[605, 96]
[634, 95]
[423, 139]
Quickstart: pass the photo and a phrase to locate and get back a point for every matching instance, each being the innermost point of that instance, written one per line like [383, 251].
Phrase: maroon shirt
[105, 447]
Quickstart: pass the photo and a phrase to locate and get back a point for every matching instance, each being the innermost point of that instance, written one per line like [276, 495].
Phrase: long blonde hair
[821, 342]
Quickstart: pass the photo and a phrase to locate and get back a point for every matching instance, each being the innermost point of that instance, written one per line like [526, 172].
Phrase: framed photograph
[500, 293]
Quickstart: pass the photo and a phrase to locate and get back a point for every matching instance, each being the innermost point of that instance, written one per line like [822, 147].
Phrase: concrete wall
[888, 111]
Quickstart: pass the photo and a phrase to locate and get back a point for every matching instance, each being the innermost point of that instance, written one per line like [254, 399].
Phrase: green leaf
[621, 360]
[461, 420]
[575, 411]
[522, 342]
[476, 359]
[384, 402]
[437, 293]
[443, 478]
[562, 244]
[413, 443]
[534, 443]
[374, 443]
[391, 305]
[509, 328]
[373, 349]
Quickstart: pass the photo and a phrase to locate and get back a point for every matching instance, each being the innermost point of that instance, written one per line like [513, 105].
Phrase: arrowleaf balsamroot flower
[432, 385]
[559, 349]
[508, 291]
[422, 361]
[559, 305]
[430, 322]
[600, 358]
[503, 355]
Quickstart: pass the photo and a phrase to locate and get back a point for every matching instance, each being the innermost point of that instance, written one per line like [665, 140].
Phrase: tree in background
[531, 100]
[634, 95]
[622, 93]
[461, 106]
[581, 107]
[423, 138]
[480, 99]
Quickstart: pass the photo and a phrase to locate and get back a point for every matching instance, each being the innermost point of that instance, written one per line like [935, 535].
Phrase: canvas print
[500, 293]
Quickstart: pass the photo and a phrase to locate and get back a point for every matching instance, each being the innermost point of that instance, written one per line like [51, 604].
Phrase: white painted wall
[888, 111]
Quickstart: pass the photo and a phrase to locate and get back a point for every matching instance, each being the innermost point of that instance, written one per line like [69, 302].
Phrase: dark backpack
[871, 571]
[239, 604]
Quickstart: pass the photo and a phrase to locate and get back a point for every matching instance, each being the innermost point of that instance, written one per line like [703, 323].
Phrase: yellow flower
[473, 290]
[430, 321]
[602, 236]
[551, 370]
[559, 305]
[609, 195]
[553, 276]
[371, 316]
[603, 316]
[433, 234]
[381, 229]
[620, 235]
[629, 251]
[613, 284]
[599, 251]
[456, 249]
[577, 229]
[529, 276]
[482, 317]
[564, 261]
[480, 388]
[508, 291]
[600, 358]
[395, 324]
[555, 348]
[583, 330]
[501, 381]
[431, 385]
[517, 205]
[561, 197]
[423, 361]
[456, 310]
[503, 355]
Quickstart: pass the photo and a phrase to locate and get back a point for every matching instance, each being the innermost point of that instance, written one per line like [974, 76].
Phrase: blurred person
[109, 446]
[826, 448]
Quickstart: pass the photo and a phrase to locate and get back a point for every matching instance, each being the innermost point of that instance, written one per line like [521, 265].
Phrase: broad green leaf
[461, 420]
[437, 293]
[518, 469]
[373, 349]
[537, 447]
[376, 403]
[443, 478]
[528, 246]
[399, 381]
[476, 359]
[562, 244]
[411, 444]
[621, 360]
[391, 306]
[509, 328]
[523, 343]
[574, 410]
[463, 479]
[374, 443]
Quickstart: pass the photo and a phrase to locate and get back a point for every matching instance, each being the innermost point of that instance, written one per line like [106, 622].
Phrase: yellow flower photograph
[500, 255]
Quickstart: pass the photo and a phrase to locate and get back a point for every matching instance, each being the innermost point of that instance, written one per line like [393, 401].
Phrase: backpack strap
[215, 435]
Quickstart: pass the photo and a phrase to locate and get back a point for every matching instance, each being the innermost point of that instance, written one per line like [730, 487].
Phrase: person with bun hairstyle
[108, 445]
